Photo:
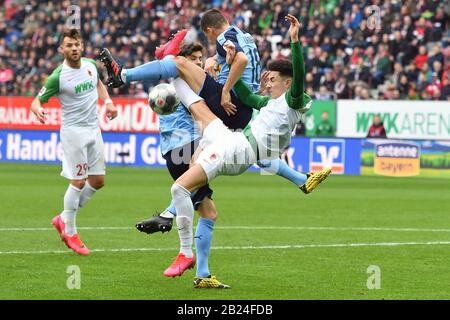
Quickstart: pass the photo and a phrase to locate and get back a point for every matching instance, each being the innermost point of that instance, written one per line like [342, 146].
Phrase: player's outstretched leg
[113, 68]
[173, 45]
[314, 179]
[281, 168]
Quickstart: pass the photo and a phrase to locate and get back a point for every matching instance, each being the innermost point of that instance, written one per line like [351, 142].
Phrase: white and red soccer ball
[163, 99]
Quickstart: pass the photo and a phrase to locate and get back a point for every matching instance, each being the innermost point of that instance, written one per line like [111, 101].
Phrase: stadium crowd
[353, 49]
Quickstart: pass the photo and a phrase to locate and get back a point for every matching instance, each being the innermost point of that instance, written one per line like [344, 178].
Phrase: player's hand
[264, 82]
[294, 28]
[226, 103]
[111, 111]
[230, 49]
[211, 67]
[40, 113]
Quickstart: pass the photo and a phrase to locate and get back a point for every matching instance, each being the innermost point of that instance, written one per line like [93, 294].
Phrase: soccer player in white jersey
[77, 85]
[265, 137]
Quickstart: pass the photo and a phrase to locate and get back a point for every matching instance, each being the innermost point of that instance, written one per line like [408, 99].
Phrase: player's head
[71, 45]
[193, 51]
[213, 23]
[280, 77]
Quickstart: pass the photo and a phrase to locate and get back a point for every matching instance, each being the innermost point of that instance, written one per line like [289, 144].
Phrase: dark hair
[212, 18]
[283, 66]
[70, 33]
[188, 48]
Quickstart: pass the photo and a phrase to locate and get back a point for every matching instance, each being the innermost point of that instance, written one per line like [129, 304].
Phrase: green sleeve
[294, 96]
[248, 97]
[50, 88]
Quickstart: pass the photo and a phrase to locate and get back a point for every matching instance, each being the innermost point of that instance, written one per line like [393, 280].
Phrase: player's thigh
[190, 72]
[74, 142]
[193, 179]
[96, 154]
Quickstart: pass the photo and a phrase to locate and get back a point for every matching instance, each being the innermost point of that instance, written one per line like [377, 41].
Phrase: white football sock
[167, 214]
[86, 194]
[185, 217]
[71, 202]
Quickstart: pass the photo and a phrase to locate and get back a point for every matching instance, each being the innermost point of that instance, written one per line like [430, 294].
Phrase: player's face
[277, 84]
[72, 49]
[197, 58]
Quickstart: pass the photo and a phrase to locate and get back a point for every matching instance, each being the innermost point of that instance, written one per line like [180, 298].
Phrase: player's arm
[111, 111]
[294, 96]
[248, 97]
[237, 68]
[50, 88]
[38, 110]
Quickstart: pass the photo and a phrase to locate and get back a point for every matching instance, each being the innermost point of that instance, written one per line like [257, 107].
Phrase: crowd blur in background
[352, 49]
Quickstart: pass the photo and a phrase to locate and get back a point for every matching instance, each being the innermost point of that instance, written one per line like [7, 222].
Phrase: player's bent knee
[179, 191]
[180, 62]
[97, 183]
[78, 183]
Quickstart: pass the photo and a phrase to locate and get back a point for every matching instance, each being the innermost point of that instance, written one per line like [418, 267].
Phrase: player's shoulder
[55, 75]
[229, 34]
[89, 60]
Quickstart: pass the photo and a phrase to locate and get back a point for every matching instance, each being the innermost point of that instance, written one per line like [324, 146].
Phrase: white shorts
[83, 152]
[224, 152]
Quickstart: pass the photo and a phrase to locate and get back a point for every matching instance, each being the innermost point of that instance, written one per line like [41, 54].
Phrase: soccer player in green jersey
[77, 85]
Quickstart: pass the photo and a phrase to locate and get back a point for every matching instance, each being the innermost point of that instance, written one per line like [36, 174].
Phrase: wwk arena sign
[428, 120]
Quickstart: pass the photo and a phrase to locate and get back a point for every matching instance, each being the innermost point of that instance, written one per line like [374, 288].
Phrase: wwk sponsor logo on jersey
[327, 154]
[84, 87]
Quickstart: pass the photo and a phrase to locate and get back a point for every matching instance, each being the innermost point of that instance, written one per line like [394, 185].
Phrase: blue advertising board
[142, 149]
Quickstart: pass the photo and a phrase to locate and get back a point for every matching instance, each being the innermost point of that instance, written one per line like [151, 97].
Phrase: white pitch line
[254, 228]
[299, 246]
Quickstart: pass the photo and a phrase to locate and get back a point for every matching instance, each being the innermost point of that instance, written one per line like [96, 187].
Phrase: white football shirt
[76, 90]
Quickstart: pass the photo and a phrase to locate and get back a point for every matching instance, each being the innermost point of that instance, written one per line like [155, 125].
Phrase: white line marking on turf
[254, 228]
[300, 246]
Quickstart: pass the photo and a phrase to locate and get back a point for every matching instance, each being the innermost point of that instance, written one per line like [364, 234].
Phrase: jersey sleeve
[294, 96]
[228, 35]
[50, 88]
[248, 97]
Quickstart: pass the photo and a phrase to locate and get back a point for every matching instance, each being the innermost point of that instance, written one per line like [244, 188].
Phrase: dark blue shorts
[177, 161]
[212, 93]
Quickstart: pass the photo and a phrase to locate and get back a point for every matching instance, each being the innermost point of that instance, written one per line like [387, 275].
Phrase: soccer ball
[163, 99]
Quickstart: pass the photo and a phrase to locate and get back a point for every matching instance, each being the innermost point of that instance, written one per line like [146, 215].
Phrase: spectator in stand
[331, 31]
[324, 127]
[376, 130]
[421, 58]
[323, 94]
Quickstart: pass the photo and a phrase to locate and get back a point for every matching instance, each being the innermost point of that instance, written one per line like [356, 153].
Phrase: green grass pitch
[270, 242]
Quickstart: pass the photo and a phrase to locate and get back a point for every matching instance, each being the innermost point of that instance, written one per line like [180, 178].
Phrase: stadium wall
[132, 139]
